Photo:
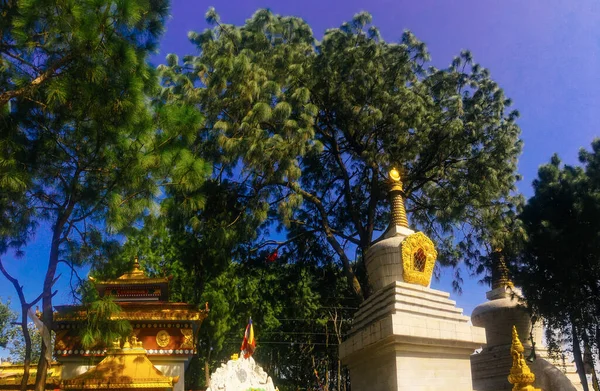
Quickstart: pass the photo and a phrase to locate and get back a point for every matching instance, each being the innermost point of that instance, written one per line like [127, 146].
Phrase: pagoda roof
[121, 369]
[134, 277]
[12, 374]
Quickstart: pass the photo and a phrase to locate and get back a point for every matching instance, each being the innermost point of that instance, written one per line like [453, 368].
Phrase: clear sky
[545, 54]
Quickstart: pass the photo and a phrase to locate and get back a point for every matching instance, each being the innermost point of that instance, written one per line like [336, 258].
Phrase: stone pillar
[407, 336]
[171, 366]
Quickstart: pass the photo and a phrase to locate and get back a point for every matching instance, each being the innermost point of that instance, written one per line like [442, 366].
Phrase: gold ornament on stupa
[397, 202]
[500, 273]
[520, 375]
[418, 251]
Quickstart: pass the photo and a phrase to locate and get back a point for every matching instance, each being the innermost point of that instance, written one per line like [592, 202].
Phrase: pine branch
[5, 97]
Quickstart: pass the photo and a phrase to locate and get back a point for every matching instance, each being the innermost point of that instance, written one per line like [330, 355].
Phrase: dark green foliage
[559, 267]
[312, 128]
[300, 314]
[84, 147]
[7, 316]
[99, 329]
[16, 344]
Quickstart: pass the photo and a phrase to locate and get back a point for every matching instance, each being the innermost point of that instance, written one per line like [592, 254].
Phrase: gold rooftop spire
[520, 375]
[500, 277]
[398, 216]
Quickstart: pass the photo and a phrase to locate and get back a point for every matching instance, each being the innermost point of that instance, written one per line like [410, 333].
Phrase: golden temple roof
[126, 368]
[11, 375]
[135, 277]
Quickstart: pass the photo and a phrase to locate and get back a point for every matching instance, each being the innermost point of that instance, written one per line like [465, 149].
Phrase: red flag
[249, 343]
[272, 257]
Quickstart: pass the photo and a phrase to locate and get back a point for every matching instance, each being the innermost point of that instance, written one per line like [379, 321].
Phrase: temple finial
[500, 276]
[520, 375]
[398, 212]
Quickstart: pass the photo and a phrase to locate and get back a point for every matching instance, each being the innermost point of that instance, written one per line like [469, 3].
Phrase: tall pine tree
[559, 265]
[84, 153]
[314, 128]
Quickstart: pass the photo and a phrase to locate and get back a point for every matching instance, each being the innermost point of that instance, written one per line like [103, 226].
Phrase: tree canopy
[559, 265]
[311, 128]
[267, 144]
[86, 150]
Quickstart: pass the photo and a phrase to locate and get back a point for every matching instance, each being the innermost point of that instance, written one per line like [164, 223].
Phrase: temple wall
[75, 367]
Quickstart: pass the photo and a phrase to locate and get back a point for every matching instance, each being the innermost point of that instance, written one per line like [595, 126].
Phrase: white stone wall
[377, 372]
[70, 369]
[433, 372]
[171, 367]
[409, 337]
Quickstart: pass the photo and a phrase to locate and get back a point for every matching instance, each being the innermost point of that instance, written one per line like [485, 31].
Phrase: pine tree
[314, 128]
[559, 266]
[88, 142]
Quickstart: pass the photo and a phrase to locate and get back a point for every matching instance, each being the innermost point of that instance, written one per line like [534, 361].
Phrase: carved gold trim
[415, 246]
[188, 339]
[137, 315]
[163, 338]
[60, 343]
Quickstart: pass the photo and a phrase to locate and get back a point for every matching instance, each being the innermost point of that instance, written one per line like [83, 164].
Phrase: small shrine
[504, 316]
[240, 374]
[164, 329]
[123, 368]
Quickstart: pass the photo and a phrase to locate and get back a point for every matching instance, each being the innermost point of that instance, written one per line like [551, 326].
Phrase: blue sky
[545, 54]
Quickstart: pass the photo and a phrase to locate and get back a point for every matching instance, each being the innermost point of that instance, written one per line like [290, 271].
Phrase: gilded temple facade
[164, 330]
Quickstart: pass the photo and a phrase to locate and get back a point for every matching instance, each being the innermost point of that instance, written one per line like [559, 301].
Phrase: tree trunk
[588, 359]
[47, 310]
[27, 337]
[25, 306]
[579, 358]
[339, 375]
[598, 339]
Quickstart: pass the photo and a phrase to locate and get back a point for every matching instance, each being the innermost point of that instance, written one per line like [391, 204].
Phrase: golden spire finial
[137, 270]
[398, 212]
[500, 277]
[520, 375]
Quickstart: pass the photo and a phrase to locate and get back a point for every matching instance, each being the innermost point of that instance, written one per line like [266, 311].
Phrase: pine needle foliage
[102, 325]
[87, 143]
[314, 127]
[559, 264]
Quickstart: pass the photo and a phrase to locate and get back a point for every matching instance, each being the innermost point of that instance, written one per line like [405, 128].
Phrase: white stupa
[240, 374]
